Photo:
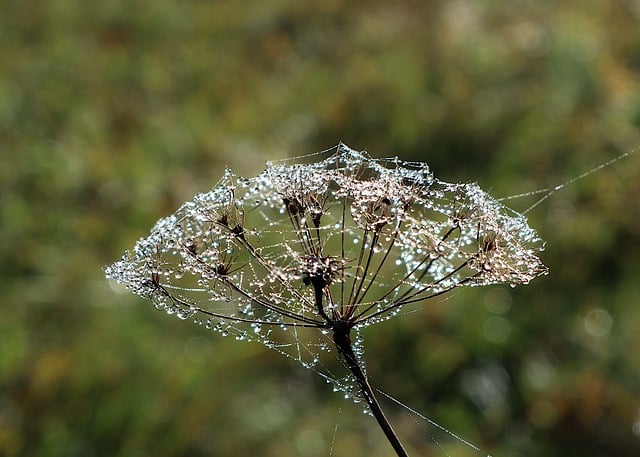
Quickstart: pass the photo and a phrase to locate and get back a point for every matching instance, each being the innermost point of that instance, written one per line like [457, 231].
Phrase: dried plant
[303, 256]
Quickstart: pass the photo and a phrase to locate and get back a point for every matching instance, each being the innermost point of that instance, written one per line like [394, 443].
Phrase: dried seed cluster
[343, 242]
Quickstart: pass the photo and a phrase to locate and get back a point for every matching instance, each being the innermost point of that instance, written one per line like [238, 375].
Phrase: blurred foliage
[112, 113]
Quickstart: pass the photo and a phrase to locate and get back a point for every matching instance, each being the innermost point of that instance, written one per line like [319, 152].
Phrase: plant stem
[342, 341]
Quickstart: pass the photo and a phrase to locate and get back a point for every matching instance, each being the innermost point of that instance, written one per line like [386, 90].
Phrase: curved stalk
[342, 341]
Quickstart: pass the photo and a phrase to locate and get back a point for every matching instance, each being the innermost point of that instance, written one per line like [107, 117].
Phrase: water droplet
[179, 274]
[171, 309]
[159, 302]
[378, 247]
[185, 314]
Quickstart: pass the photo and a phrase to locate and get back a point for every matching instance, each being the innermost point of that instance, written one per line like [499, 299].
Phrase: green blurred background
[113, 113]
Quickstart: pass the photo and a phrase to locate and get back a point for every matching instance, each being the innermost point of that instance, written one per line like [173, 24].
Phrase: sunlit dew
[290, 256]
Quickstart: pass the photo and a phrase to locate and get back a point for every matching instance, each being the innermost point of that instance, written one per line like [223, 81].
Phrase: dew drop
[171, 309]
[159, 302]
[185, 314]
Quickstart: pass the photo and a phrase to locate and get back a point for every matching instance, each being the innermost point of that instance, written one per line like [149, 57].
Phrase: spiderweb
[285, 257]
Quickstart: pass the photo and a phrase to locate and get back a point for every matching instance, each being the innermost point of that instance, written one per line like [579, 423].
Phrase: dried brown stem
[342, 341]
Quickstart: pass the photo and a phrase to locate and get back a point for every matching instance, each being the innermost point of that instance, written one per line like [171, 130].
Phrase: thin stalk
[342, 341]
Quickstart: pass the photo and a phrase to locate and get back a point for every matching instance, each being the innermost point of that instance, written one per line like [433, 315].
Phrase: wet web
[282, 257]
[549, 191]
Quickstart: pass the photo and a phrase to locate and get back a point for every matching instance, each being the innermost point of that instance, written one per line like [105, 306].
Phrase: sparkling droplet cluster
[284, 257]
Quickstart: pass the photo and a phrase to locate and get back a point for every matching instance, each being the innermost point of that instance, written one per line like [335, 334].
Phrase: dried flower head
[304, 254]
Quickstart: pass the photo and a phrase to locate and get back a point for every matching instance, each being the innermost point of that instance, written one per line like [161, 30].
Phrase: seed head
[345, 241]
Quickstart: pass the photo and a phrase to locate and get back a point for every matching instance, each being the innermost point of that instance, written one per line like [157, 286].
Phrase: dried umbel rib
[372, 235]
[304, 255]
